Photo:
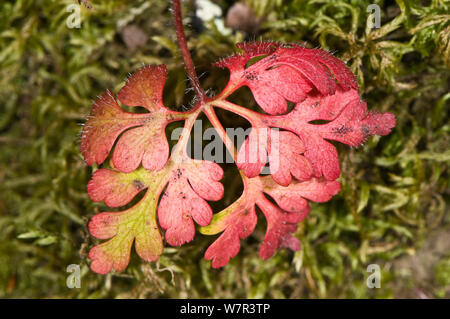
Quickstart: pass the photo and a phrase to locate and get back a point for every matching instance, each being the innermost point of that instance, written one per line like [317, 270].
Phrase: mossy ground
[392, 210]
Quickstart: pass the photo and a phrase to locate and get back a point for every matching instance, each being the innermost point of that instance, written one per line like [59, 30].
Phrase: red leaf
[252, 156]
[303, 164]
[190, 184]
[349, 123]
[105, 123]
[185, 200]
[238, 222]
[287, 73]
[239, 219]
[116, 188]
[146, 141]
[280, 226]
[145, 88]
[284, 150]
[135, 224]
[292, 198]
[147, 144]
[250, 50]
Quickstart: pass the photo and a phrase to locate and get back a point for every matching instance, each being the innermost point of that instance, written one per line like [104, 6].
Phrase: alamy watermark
[374, 18]
[74, 19]
[374, 279]
[74, 279]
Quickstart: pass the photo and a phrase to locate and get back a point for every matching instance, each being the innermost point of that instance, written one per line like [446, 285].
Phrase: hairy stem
[200, 93]
[189, 65]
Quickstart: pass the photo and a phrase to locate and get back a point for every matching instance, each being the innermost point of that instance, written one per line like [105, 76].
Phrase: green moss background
[392, 210]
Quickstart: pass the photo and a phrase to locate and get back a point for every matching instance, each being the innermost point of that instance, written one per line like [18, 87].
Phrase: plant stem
[189, 65]
[200, 93]
[180, 153]
[229, 144]
[212, 117]
[253, 117]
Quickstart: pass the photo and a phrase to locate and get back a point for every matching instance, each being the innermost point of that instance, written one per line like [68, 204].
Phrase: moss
[395, 189]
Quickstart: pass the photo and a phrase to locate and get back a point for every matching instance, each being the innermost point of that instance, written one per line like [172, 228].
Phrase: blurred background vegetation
[392, 210]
